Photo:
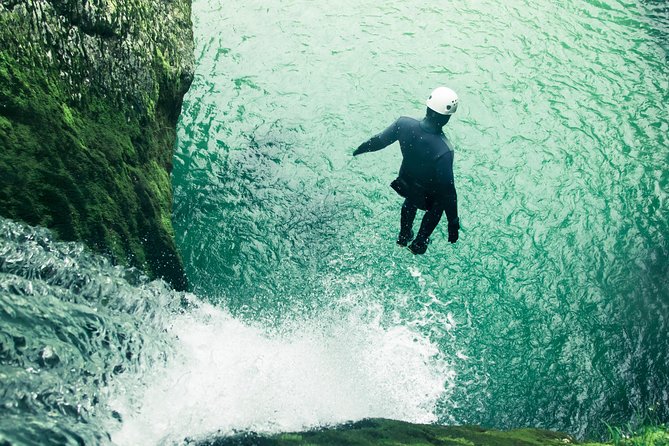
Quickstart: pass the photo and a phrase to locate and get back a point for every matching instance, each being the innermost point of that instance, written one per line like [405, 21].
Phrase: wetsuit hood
[433, 121]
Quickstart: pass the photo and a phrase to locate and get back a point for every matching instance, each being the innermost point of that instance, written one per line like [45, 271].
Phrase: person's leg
[430, 221]
[407, 217]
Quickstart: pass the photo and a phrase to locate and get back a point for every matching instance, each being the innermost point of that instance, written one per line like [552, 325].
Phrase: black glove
[361, 149]
[453, 228]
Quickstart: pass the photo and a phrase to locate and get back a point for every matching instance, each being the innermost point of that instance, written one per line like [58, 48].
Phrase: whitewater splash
[229, 376]
[94, 353]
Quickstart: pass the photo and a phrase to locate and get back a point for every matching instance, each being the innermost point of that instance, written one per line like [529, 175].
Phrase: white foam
[230, 376]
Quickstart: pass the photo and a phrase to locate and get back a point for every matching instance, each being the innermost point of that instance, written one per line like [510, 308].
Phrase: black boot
[419, 246]
[403, 239]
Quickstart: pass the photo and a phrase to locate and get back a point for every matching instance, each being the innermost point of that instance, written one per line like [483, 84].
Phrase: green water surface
[552, 308]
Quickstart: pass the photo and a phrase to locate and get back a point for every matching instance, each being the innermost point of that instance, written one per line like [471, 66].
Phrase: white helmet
[443, 100]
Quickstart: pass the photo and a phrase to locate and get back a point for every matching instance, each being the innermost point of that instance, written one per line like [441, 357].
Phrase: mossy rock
[382, 432]
[395, 433]
[90, 94]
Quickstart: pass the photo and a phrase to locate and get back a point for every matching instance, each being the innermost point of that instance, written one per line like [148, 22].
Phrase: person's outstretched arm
[378, 142]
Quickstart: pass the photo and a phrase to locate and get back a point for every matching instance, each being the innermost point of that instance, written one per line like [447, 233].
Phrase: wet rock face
[90, 93]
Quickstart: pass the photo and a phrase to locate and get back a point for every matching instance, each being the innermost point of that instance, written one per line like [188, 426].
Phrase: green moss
[380, 432]
[5, 124]
[395, 433]
[67, 116]
[291, 437]
[646, 435]
[86, 142]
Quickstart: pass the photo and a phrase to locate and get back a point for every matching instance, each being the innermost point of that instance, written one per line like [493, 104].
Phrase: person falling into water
[425, 179]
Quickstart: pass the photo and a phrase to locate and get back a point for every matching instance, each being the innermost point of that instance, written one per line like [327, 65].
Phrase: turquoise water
[551, 311]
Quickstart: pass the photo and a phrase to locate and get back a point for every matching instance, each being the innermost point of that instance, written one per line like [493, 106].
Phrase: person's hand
[453, 228]
[362, 148]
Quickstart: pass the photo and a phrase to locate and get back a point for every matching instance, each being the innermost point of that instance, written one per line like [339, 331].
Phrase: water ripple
[552, 305]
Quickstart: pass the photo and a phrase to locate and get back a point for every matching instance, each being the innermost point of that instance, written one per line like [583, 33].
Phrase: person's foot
[404, 239]
[419, 246]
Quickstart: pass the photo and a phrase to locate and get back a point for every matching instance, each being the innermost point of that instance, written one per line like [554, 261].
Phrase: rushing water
[550, 311]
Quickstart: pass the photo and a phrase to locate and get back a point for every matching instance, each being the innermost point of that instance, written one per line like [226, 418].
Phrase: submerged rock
[90, 93]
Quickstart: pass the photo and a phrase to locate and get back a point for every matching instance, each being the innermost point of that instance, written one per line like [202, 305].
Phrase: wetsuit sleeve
[448, 197]
[380, 141]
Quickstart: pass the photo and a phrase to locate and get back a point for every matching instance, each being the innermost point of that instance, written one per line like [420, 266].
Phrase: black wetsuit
[426, 174]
